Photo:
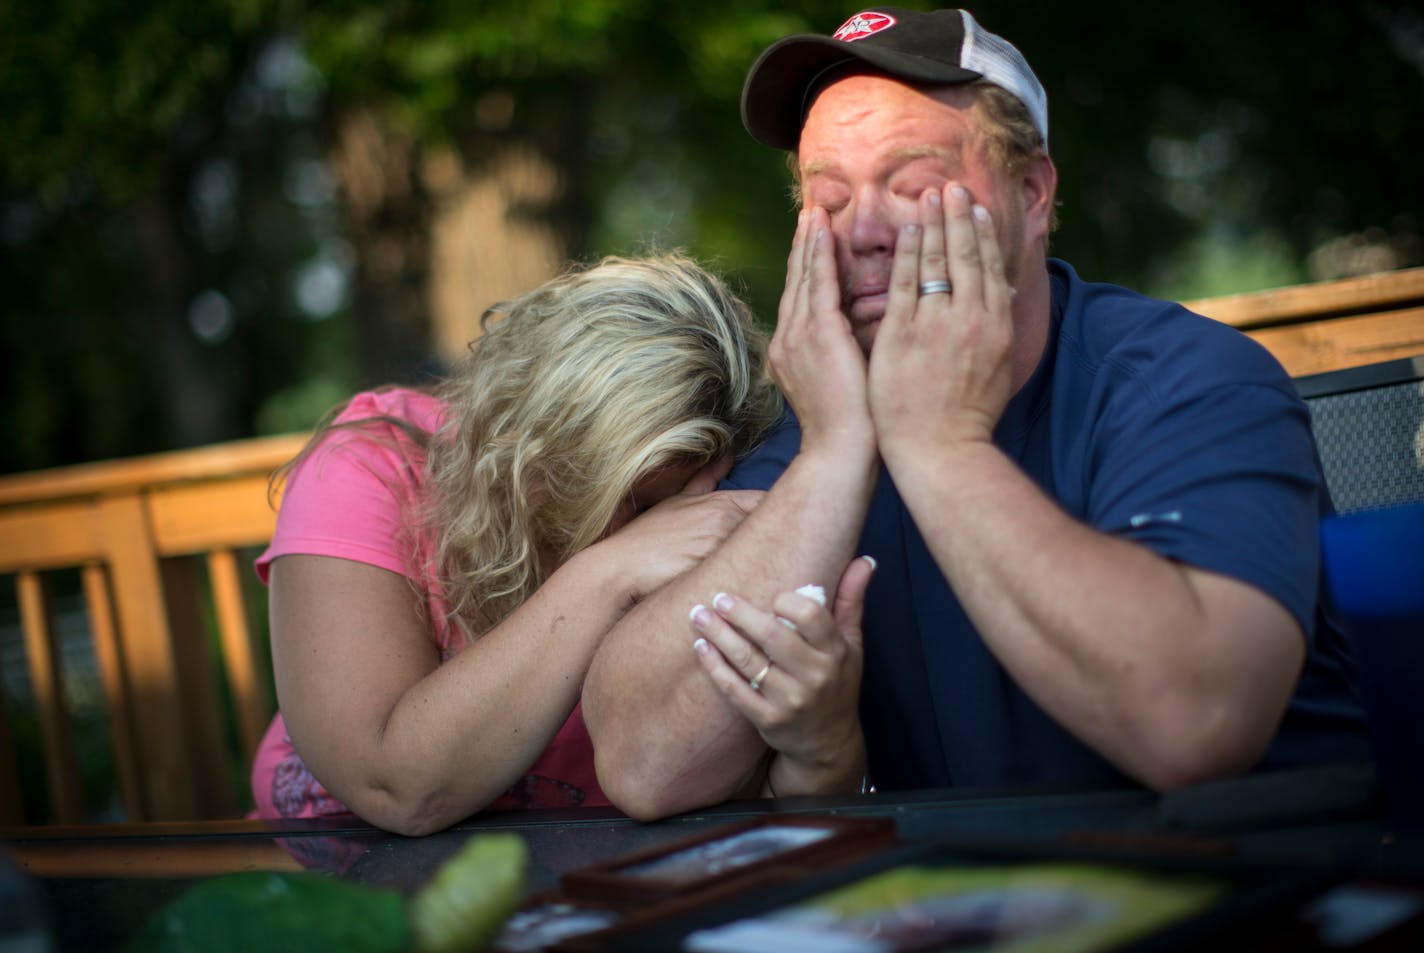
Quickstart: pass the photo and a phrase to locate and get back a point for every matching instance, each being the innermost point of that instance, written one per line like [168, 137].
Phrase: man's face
[869, 148]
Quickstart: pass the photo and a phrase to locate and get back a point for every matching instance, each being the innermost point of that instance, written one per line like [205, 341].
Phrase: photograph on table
[1024, 908]
[547, 923]
[770, 847]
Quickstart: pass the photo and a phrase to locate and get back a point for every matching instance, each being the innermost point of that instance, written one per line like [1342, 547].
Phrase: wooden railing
[1331, 325]
[181, 673]
[178, 689]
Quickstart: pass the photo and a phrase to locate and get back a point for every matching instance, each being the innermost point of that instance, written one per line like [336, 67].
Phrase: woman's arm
[412, 745]
[794, 673]
[408, 744]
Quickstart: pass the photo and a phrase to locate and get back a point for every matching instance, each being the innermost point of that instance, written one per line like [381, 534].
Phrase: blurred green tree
[218, 218]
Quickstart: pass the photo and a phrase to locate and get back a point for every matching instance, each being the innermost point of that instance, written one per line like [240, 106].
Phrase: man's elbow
[407, 814]
[640, 805]
[1195, 745]
[625, 785]
[1174, 770]
[649, 779]
[619, 759]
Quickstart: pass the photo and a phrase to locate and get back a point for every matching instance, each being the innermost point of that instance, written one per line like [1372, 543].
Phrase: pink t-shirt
[349, 499]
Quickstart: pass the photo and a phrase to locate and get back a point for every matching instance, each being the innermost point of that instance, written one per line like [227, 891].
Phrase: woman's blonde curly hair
[587, 384]
[573, 393]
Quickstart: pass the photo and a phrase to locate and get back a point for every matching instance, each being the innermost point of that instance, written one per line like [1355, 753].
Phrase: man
[1094, 514]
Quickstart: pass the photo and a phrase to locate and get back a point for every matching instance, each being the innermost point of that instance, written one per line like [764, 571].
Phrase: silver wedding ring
[755, 683]
[940, 287]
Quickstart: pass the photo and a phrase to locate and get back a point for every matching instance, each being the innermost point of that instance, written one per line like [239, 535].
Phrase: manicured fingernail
[960, 192]
[934, 197]
[723, 602]
[813, 591]
[698, 616]
[871, 559]
[788, 623]
[912, 230]
[701, 647]
[981, 213]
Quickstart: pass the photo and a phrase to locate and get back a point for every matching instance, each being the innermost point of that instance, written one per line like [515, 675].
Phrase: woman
[445, 564]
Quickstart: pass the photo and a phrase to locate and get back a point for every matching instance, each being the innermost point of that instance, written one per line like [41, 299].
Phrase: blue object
[1374, 565]
[1374, 561]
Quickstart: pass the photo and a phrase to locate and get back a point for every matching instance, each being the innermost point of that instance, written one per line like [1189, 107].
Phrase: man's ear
[1039, 185]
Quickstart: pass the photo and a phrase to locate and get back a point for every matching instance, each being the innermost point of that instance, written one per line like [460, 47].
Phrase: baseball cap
[941, 47]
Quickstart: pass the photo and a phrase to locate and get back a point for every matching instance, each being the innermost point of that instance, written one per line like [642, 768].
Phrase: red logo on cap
[862, 25]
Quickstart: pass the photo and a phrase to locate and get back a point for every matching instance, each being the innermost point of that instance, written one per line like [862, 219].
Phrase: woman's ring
[756, 681]
[934, 287]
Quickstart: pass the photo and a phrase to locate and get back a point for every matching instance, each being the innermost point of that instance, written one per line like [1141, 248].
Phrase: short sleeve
[351, 497]
[759, 469]
[1221, 475]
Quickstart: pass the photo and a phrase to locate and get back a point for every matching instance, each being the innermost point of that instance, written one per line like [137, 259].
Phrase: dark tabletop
[96, 885]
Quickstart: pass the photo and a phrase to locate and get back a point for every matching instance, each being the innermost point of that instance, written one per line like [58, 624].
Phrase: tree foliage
[184, 261]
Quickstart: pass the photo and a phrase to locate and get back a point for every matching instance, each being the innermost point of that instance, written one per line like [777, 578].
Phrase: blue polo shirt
[1145, 421]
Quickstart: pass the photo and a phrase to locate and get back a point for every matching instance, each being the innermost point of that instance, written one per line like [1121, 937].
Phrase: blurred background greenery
[217, 218]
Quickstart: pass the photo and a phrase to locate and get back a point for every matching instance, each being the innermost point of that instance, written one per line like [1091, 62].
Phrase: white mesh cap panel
[1002, 64]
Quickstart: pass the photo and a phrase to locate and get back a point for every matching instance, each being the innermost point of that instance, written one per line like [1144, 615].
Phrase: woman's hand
[795, 674]
[674, 534]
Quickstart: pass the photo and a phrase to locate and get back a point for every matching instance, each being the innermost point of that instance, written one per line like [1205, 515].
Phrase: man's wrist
[851, 436]
[841, 465]
[914, 456]
[845, 773]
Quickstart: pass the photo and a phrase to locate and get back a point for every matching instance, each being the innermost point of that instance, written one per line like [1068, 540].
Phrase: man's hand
[1172, 673]
[941, 372]
[813, 355]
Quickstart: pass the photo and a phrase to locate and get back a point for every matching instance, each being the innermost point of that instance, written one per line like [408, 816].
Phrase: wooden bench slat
[148, 658]
[47, 681]
[260, 455]
[1259, 309]
[109, 655]
[201, 517]
[49, 537]
[179, 858]
[1345, 342]
[250, 696]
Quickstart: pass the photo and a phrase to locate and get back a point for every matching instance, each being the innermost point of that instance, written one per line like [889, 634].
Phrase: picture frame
[774, 846]
[996, 895]
[594, 908]
[552, 921]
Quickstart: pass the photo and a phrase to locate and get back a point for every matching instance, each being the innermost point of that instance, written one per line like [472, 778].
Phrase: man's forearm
[665, 739]
[1172, 673]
